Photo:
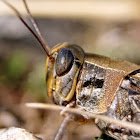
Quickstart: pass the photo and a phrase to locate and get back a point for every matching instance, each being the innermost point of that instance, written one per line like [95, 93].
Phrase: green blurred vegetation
[14, 68]
[19, 74]
[36, 81]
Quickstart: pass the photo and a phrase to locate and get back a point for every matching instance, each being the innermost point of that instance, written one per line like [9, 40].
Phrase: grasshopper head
[63, 68]
[63, 63]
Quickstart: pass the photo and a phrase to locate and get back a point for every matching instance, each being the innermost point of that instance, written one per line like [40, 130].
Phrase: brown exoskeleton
[96, 83]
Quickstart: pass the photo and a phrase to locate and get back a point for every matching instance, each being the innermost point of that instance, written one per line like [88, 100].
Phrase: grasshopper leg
[63, 126]
[71, 104]
[67, 119]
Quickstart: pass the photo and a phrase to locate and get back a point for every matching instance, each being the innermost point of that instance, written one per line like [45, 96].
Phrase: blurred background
[105, 27]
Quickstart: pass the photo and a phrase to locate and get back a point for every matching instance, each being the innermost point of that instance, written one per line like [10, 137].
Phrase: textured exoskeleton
[98, 84]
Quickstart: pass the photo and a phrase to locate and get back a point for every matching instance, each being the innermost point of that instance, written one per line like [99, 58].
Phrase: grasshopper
[97, 84]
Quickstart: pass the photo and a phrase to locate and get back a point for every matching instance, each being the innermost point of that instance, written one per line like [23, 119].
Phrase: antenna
[41, 40]
[35, 25]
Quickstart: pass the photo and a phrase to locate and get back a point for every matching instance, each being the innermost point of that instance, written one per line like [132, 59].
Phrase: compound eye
[64, 61]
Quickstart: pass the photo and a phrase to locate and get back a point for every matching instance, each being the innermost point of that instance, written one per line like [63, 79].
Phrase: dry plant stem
[125, 124]
[63, 126]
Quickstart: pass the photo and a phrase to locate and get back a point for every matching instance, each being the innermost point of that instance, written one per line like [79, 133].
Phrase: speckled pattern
[91, 81]
[125, 106]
